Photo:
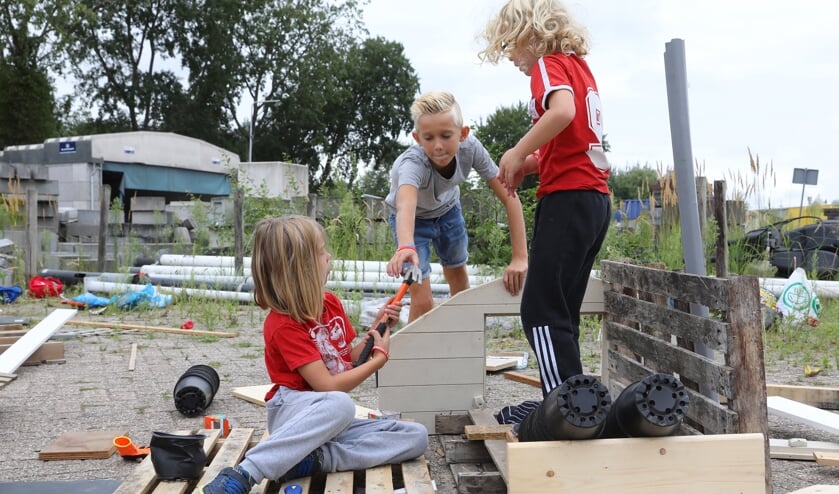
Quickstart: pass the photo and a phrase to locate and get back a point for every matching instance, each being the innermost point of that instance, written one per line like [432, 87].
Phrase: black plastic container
[652, 407]
[577, 409]
[176, 456]
[195, 390]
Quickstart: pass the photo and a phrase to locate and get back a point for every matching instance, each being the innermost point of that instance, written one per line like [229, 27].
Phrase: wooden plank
[487, 431]
[81, 445]
[830, 458]
[132, 359]
[462, 370]
[235, 445]
[803, 414]
[256, 395]
[497, 447]
[495, 364]
[155, 329]
[780, 449]
[339, 483]
[12, 358]
[670, 358]
[416, 477]
[379, 480]
[704, 290]
[667, 320]
[459, 450]
[451, 423]
[714, 417]
[730, 463]
[825, 398]
[535, 381]
[818, 489]
[428, 418]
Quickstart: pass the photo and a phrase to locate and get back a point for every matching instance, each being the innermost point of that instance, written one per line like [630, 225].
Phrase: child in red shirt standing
[309, 357]
[565, 147]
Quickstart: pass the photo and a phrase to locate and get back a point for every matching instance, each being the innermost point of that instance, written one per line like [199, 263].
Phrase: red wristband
[377, 348]
[407, 247]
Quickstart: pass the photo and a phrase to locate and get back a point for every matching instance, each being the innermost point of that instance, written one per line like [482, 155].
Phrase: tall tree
[206, 36]
[26, 94]
[502, 130]
[116, 50]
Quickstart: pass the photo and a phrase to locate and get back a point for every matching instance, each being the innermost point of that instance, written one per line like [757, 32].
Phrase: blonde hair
[285, 268]
[434, 102]
[540, 26]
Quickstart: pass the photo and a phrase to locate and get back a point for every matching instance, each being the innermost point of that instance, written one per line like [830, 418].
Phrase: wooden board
[729, 463]
[781, 450]
[497, 447]
[827, 458]
[256, 395]
[818, 489]
[81, 445]
[49, 352]
[804, 414]
[17, 354]
[817, 396]
[495, 364]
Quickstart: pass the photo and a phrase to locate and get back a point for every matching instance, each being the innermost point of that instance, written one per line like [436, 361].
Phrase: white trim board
[803, 414]
[22, 349]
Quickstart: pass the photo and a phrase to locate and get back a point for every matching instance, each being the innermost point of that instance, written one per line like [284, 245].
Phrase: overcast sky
[762, 75]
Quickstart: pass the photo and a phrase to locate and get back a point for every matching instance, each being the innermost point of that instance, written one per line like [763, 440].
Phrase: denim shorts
[448, 235]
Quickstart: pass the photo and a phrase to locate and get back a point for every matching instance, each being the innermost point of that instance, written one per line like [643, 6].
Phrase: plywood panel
[432, 370]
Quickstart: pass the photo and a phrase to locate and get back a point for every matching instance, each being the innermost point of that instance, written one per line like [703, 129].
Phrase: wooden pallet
[413, 476]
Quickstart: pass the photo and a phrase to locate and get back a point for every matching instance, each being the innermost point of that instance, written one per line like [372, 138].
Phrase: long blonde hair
[285, 268]
[540, 26]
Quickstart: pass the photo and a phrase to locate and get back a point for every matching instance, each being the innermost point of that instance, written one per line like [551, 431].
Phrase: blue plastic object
[293, 489]
[9, 294]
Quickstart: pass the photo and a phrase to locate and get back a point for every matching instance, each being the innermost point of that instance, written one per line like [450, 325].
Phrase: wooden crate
[413, 476]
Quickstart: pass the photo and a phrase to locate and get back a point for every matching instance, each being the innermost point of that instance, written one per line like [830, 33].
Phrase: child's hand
[380, 340]
[399, 259]
[390, 311]
[511, 171]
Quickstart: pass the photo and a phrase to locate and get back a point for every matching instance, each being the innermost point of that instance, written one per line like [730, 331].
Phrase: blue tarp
[167, 179]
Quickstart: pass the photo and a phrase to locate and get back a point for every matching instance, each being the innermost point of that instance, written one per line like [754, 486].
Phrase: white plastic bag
[798, 301]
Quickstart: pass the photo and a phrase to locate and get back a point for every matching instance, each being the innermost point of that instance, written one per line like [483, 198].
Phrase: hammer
[413, 274]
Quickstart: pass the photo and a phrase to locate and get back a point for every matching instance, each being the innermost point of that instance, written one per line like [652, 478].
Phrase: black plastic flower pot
[577, 409]
[651, 407]
[195, 390]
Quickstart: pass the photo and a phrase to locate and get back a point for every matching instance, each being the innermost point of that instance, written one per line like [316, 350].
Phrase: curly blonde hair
[434, 102]
[540, 26]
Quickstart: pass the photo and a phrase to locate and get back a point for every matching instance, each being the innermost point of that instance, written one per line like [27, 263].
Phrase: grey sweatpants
[302, 421]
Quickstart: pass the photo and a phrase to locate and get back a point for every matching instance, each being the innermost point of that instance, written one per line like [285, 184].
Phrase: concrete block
[148, 203]
[152, 217]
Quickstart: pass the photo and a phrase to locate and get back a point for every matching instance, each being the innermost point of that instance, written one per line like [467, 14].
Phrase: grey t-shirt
[436, 195]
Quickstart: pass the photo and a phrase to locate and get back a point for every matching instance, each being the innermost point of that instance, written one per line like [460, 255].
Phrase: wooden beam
[497, 447]
[488, 431]
[819, 397]
[157, 329]
[725, 463]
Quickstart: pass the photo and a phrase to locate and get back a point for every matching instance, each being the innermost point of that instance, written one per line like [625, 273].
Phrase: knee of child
[342, 405]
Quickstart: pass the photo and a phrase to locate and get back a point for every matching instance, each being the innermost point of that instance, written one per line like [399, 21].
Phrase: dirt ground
[95, 390]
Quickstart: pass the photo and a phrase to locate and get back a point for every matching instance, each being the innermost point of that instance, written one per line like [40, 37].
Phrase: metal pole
[250, 137]
[675, 69]
[801, 204]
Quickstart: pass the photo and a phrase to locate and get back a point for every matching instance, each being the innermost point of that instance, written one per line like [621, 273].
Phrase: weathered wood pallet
[413, 476]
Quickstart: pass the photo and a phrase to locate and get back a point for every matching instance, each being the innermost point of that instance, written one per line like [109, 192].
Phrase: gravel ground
[95, 390]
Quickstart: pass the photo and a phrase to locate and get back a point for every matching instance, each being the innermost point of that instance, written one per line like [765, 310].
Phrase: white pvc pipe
[822, 288]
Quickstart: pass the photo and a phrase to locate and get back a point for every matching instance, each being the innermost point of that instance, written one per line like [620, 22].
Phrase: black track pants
[569, 229]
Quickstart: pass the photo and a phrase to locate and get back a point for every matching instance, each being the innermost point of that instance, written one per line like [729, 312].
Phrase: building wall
[274, 179]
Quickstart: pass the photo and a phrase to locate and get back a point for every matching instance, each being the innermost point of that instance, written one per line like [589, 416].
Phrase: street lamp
[253, 121]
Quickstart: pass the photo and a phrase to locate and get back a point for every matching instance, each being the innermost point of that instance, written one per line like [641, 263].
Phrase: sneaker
[229, 481]
[309, 465]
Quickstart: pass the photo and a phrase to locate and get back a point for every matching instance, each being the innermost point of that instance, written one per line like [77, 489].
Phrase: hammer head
[411, 274]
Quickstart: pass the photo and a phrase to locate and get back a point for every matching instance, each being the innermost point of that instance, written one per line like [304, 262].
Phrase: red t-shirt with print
[574, 159]
[290, 345]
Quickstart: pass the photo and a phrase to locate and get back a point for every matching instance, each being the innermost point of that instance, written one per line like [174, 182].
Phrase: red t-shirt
[290, 345]
[574, 159]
